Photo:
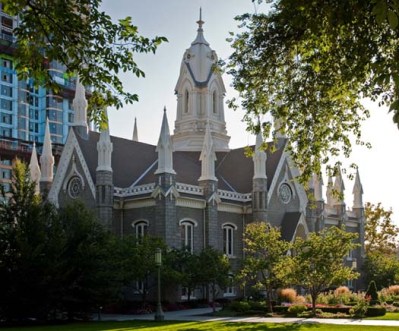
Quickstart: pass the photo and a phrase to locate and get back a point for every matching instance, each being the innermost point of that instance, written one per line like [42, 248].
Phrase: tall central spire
[200, 92]
[200, 21]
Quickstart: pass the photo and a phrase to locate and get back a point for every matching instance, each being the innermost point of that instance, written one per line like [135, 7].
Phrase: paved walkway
[204, 314]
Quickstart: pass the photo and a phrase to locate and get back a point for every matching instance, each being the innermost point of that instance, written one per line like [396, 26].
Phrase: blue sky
[176, 20]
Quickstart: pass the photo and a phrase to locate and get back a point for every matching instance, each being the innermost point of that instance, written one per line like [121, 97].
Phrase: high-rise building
[24, 107]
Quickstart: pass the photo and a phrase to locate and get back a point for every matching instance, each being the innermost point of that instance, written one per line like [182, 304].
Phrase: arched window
[214, 102]
[186, 100]
[230, 290]
[140, 228]
[187, 234]
[228, 238]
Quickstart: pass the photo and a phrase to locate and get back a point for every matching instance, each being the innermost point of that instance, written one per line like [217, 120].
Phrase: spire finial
[200, 22]
[164, 109]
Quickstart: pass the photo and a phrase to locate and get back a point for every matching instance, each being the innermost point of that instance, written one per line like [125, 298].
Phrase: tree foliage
[135, 259]
[214, 268]
[381, 234]
[381, 243]
[381, 268]
[318, 261]
[265, 252]
[51, 261]
[78, 35]
[308, 63]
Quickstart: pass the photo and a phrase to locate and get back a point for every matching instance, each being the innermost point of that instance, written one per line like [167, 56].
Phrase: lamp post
[159, 315]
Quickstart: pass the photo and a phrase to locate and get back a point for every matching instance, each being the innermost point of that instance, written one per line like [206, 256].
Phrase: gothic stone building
[191, 189]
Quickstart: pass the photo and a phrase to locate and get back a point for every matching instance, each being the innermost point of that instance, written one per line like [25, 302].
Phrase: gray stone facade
[171, 202]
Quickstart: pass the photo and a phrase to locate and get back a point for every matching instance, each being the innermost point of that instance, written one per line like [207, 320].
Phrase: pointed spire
[357, 192]
[135, 132]
[47, 158]
[165, 148]
[259, 158]
[104, 148]
[79, 105]
[339, 187]
[200, 39]
[208, 157]
[34, 169]
[318, 187]
[329, 192]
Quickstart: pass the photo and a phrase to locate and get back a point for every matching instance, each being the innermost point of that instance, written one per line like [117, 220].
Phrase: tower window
[214, 102]
[186, 100]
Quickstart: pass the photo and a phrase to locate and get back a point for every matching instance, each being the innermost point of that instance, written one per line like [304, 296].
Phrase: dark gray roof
[136, 162]
[289, 225]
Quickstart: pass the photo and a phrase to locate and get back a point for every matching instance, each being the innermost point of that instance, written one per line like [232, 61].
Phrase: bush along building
[191, 189]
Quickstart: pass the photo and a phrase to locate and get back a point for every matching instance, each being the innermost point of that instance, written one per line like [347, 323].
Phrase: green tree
[86, 276]
[77, 34]
[265, 253]
[381, 234]
[308, 63]
[381, 268]
[318, 261]
[136, 260]
[381, 240]
[51, 261]
[181, 267]
[28, 234]
[214, 268]
[372, 293]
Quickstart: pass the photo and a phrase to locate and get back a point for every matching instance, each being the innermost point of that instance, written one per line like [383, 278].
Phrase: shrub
[336, 310]
[287, 294]
[376, 311]
[300, 299]
[386, 296]
[257, 305]
[297, 309]
[342, 290]
[240, 306]
[280, 309]
[372, 293]
[360, 309]
[393, 289]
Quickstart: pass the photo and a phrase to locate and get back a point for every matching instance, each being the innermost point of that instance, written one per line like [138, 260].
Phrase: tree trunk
[213, 298]
[269, 299]
[314, 298]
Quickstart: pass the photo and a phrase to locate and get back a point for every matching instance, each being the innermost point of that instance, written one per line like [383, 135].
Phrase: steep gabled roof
[136, 162]
[289, 225]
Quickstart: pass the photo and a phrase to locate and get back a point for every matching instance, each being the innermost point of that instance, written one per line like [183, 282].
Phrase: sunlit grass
[196, 326]
[387, 316]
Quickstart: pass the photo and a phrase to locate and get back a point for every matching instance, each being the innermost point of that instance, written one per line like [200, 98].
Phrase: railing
[136, 190]
[189, 189]
[242, 197]
[182, 188]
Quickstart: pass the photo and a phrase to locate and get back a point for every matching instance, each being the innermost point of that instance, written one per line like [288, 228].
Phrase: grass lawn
[387, 316]
[197, 326]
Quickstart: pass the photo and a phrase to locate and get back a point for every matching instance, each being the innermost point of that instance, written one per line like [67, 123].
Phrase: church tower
[209, 184]
[104, 179]
[79, 105]
[200, 93]
[259, 182]
[46, 162]
[165, 193]
[34, 169]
